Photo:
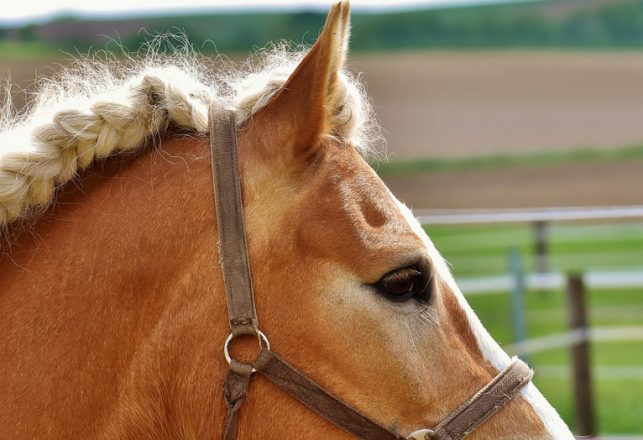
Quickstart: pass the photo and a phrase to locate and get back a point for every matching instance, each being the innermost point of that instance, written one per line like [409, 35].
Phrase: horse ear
[301, 107]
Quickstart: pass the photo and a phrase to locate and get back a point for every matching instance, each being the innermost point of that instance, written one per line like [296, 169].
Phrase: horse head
[346, 280]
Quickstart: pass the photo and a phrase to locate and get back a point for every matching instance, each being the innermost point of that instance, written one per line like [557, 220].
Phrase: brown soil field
[581, 184]
[473, 103]
[451, 105]
[20, 75]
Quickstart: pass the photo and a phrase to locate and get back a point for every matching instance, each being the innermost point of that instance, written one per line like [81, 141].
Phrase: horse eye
[406, 283]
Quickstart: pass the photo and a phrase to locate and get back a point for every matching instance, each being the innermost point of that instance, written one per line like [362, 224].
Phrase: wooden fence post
[541, 246]
[585, 423]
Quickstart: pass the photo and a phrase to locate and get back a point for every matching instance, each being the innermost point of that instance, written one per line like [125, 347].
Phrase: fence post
[540, 246]
[580, 356]
[517, 300]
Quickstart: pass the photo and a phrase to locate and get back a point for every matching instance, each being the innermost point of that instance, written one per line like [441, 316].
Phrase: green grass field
[419, 166]
[27, 50]
[618, 365]
[482, 250]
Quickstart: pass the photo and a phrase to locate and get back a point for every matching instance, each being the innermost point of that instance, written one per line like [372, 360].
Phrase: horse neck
[134, 222]
[124, 265]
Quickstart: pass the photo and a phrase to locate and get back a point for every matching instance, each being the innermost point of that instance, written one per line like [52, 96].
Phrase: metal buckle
[422, 434]
[263, 343]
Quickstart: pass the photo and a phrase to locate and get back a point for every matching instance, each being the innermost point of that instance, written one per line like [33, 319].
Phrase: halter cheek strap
[233, 252]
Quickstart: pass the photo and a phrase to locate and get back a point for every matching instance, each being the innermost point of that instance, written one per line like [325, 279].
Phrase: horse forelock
[98, 108]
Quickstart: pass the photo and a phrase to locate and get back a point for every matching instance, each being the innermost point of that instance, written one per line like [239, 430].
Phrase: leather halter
[233, 252]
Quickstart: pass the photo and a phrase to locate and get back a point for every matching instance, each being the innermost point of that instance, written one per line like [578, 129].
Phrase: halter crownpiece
[233, 252]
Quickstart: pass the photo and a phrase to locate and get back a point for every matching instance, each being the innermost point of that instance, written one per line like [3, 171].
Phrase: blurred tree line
[615, 24]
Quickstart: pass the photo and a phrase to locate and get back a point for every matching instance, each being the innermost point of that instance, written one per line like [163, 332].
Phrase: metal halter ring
[263, 343]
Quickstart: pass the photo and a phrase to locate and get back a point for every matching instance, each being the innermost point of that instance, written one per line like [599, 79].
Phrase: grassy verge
[480, 250]
[407, 167]
[27, 50]
[618, 405]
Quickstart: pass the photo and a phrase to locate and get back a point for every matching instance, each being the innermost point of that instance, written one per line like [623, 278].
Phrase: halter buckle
[422, 434]
[263, 343]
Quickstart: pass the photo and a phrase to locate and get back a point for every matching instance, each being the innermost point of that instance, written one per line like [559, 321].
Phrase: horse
[112, 303]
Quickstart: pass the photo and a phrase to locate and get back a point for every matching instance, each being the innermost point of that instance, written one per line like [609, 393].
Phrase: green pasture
[11, 50]
[617, 365]
[578, 155]
[482, 250]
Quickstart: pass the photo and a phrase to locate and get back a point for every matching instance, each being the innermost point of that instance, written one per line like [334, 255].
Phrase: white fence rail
[473, 216]
[551, 280]
[566, 339]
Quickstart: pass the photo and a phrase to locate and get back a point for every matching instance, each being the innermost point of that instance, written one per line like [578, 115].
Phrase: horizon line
[410, 5]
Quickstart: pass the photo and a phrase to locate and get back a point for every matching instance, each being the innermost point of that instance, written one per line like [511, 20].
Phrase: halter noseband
[243, 320]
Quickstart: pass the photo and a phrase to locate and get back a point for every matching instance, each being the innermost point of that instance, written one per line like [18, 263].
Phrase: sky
[19, 11]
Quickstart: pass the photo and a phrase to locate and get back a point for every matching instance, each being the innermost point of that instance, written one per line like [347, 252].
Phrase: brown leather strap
[233, 250]
[233, 254]
[319, 400]
[485, 403]
[234, 393]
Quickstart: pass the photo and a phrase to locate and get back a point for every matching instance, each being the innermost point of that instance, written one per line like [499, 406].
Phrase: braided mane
[100, 108]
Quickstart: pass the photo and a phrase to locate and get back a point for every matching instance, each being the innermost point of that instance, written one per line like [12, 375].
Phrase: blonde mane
[99, 108]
